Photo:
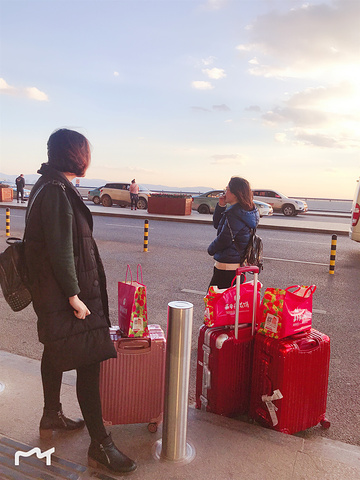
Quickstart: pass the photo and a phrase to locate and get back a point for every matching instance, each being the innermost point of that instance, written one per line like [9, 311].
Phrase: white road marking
[127, 226]
[296, 241]
[196, 292]
[296, 261]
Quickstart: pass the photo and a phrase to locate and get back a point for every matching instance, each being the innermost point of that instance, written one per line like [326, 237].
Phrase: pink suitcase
[290, 381]
[224, 362]
[132, 385]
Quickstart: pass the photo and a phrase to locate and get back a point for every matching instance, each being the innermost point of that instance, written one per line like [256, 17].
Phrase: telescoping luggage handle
[239, 271]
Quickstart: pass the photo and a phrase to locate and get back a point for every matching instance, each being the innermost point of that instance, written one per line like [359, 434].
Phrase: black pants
[87, 390]
[223, 278]
[20, 193]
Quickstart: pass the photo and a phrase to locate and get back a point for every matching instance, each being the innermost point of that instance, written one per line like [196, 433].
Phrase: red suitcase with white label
[224, 361]
[132, 385]
[290, 381]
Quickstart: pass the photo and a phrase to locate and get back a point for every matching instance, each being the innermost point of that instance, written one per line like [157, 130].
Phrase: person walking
[68, 287]
[20, 185]
[134, 194]
[232, 222]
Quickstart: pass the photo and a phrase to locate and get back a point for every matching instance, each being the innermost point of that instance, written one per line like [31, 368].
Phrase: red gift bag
[220, 304]
[132, 306]
[286, 312]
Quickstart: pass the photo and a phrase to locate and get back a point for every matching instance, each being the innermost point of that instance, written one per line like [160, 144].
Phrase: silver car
[206, 203]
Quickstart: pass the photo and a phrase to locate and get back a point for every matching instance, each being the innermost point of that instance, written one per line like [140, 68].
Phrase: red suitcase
[290, 381]
[132, 385]
[224, 362]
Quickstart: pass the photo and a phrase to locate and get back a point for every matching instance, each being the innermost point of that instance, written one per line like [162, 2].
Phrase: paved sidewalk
[275, 222]
[224, 448]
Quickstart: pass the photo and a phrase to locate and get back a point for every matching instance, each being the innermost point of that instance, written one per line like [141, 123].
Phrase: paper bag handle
[141, 274]
[310, 289]
[128, 269]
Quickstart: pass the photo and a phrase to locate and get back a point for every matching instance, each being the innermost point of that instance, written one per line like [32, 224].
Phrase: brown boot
[55, 420]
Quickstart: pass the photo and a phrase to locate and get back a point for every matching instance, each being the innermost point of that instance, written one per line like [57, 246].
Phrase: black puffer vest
[71, 342]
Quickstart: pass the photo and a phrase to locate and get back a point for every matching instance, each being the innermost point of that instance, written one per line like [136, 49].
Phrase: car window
[215, 194]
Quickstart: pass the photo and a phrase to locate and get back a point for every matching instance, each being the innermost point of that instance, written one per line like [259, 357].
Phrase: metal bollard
[333, 255]
[146, 235]
[8, 222]
[173, 446]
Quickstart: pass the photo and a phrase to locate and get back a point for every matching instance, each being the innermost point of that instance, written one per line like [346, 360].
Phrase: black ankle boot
[106, 454]
[56, 420]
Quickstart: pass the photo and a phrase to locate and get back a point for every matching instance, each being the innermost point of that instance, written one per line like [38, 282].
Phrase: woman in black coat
[68, 287]
[234, 217]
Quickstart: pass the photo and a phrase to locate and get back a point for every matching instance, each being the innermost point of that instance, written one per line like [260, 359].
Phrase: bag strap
[128, 269]
[252, 233]
[311, 289]
[139, 267]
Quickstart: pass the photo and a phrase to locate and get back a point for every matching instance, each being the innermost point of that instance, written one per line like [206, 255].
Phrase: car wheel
[288, 210]
[204, 209]
[96, 200]
[141, 203]
[106, 201]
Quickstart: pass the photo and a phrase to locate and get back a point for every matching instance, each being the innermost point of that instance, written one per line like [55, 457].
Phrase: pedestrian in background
[134, 194]
[234, 221]
[68, 287]
[20, 185]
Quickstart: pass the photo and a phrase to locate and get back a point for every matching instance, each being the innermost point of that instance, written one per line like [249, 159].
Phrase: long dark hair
[241, 189]
[69, 151]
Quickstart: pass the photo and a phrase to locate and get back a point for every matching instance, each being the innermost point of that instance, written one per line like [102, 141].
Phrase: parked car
[280, 202]
[94, 195]
[354, 232]
[206, 203]
[119, 194]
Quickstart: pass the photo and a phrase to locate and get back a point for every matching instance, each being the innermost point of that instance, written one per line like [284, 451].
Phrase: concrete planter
[169, 205]
[6, 194]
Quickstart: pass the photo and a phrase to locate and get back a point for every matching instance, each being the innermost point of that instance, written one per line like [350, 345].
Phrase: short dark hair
[242, 190]
[69, 151]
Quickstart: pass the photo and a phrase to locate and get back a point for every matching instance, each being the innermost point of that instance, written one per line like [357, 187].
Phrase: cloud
[208, 61]
[221, 108]
[253, 108]
[228, 159]
[214, 73]
[116, 74]
[323, 116]
[214, 4]
[28, 92]
[305, 41]
[201, 85]
[200, 109]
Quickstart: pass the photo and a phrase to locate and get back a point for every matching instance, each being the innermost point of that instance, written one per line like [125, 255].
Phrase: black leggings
[87, 390]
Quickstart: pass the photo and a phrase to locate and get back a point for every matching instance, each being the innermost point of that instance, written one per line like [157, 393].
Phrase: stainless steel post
[173, 445]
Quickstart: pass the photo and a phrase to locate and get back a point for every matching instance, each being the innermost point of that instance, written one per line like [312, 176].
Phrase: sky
[187, 92]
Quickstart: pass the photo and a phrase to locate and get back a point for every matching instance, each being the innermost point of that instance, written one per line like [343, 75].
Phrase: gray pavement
[224, 448]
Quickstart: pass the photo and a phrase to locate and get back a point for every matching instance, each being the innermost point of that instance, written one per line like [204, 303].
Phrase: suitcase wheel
[152, 427]
[325, 423]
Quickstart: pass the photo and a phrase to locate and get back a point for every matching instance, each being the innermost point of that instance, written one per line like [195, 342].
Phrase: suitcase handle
[304, 343]
[249, 268]
[135, 344]
[239, 271]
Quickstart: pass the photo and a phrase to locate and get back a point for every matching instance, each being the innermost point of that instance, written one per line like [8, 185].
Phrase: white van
[354, 232]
